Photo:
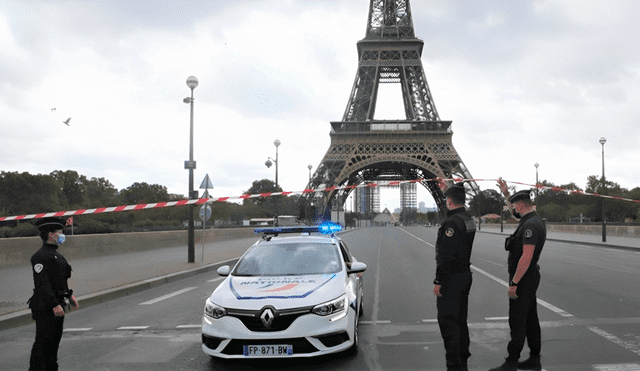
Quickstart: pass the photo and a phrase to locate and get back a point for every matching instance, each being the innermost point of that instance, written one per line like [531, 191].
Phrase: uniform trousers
[453, 308]
[44, 354]
[523, 316]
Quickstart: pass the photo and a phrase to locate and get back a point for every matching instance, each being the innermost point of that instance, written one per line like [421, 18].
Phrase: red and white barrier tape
[200, 201]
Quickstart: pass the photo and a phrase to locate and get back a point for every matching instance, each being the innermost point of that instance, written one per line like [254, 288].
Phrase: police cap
[50, 224]
[456, 192]
[524, 195]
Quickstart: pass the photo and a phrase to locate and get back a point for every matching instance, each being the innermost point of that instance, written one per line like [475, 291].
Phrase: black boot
[533, 363]
[508, 365]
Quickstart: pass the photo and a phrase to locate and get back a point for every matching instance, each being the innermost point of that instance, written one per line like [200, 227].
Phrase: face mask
[61, 238]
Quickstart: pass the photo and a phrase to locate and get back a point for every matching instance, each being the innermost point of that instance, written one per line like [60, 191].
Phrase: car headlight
[331, 307]
[214, 311]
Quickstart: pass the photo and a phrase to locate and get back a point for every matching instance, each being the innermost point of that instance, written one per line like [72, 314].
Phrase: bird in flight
[67, 121]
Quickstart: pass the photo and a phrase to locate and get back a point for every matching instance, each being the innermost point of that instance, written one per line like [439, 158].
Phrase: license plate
[267, 350]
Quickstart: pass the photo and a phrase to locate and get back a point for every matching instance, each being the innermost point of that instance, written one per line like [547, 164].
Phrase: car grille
[333, 339]
[281, 321]
[300, 345]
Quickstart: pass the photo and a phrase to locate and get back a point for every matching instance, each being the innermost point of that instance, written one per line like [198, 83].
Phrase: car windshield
[289, 259]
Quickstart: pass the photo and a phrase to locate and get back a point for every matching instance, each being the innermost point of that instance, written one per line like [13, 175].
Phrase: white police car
[293, 295]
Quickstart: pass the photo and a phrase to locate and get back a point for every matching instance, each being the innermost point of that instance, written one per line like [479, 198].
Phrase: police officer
[453, 277]
[50, 295]
[524, 246]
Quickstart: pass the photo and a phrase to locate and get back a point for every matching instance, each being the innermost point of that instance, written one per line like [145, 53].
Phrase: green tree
[73, 187]
[140, 193]
[488, 201]
[28, 194]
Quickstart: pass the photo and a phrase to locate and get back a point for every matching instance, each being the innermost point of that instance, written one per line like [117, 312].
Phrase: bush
[90, 226]
[24, 230]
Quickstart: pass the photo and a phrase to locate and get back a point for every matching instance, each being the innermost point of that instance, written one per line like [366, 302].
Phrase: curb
[597, 244]
[23, 317]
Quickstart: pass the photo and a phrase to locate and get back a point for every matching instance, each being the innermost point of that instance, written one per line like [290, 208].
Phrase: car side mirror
[224, 270]
[357, 267]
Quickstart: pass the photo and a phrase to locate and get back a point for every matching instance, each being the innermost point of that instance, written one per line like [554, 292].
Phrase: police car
[297, 292]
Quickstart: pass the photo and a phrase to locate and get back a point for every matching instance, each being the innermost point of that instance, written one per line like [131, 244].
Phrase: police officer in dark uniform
[50, 295]
[524, 246]
[453, 277]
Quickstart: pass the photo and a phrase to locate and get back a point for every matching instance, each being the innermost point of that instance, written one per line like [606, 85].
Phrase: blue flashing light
[324, 228]
[329, 228]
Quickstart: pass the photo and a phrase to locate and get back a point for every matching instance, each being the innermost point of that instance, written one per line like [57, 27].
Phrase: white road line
[132, 328]
[429, 320]
[505, 284]
[385, 322]
[632, 346]
[496, 318]
[153, 301]
[618, 367]
[77, 329]
[549, 306]
[216, 279]
[189, 326]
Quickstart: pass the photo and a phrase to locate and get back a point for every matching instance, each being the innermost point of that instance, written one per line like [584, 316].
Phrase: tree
[73, 187]
[140, 193]
[101, 193]
[486, 202]
[27, 194]
[260, 187]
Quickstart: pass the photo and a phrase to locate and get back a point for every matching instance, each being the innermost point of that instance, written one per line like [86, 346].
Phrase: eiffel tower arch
[417, 147]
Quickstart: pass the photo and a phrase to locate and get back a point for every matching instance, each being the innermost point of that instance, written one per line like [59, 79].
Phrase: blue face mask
[61, 238]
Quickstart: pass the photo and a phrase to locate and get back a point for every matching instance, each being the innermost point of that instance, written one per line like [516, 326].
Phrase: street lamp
[307, 210]
[536, 165]
[604, 223]
[268, 163]
[192, 83]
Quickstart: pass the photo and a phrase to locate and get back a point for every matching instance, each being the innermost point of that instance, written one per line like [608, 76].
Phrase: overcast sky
[522, 81]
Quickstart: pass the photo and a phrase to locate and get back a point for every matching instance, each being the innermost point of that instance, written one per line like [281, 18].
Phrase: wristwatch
[513, 284]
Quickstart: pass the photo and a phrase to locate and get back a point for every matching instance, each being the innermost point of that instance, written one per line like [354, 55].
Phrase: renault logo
[267, 317]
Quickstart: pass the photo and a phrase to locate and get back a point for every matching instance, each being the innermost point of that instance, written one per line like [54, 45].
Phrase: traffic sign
[205, 213]
[206, 183]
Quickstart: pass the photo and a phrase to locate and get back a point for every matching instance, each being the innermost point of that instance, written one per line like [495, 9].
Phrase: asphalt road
[589, 305]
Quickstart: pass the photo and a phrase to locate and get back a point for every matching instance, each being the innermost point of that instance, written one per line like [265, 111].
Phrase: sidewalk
[98, 279]
[627, 243]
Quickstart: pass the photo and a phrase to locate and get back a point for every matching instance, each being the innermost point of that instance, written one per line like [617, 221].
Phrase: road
[589, 309]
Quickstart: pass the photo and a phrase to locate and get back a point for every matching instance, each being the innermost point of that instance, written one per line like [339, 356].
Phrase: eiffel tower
[364, 150]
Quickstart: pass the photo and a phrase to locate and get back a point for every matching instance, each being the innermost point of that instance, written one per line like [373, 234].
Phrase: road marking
[77, 329]
[632, 346]
[429, 320]
[217, 279]
[385, 322]
[504, 283]
[540, 301]
[133, 328]
[620, 367]
[189, 326]
[496, 318]
[153, 301]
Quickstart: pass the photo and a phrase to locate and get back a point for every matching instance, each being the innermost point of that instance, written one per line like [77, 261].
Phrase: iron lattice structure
[417, 147]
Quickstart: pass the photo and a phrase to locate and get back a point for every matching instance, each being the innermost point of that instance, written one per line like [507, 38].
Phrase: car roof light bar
[324, 228]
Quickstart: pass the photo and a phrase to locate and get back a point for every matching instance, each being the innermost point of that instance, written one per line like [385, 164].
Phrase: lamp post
[192, 83]
[604, 223]
[310, 197]
[536, 165]
[268, 163]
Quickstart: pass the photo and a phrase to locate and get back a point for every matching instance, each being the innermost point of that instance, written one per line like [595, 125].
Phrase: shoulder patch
[449, 232]
[528, 233]
[38, 268]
